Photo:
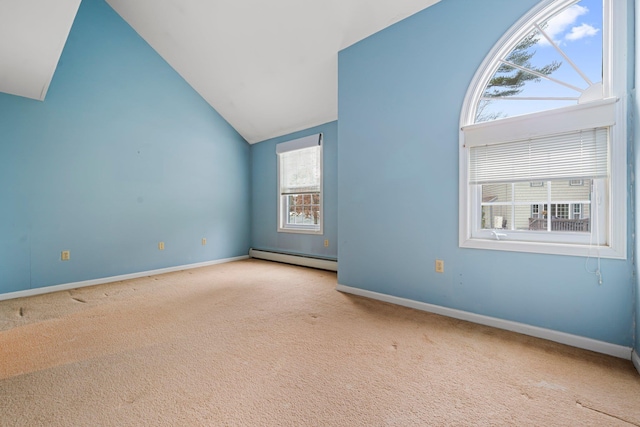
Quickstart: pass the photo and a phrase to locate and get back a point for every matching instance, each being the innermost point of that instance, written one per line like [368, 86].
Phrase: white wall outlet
[326, 243]
[439, 266]
[161, 246]
[204, 241]
[65, 255]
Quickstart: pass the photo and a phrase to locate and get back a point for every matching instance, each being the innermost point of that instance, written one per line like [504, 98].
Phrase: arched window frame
[614, 86]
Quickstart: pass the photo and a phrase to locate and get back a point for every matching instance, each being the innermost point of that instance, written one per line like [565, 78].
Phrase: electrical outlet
[326, 243]
[204, 241]
[439, 266]
[161, 246]
[65, 255]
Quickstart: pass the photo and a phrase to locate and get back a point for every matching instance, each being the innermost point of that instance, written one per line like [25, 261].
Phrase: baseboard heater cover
[304, 261]
[522, 328]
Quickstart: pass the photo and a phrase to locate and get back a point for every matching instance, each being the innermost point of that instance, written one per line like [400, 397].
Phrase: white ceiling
[32, 35]
[268, 67]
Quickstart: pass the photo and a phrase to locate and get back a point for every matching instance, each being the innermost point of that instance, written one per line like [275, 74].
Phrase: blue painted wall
[636, 173]
[122, 154]
[264, 196]
[400, 96]
[636, 199]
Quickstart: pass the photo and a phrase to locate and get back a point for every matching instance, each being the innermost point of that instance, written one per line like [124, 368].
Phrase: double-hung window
[300, 185]
[543, 135]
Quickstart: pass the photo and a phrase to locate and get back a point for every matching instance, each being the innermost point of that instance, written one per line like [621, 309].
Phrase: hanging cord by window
[595, 218]
[597, 271]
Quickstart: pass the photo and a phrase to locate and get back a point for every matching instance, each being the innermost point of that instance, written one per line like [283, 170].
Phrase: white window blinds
[572, 155]
[300, 165]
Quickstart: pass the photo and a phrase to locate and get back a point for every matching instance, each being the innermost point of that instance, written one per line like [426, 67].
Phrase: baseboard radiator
[305, 261]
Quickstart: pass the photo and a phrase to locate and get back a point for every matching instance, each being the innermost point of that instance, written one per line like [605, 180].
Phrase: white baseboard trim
[534, 331]
[636, 360]
[323, 264]
[75, 285]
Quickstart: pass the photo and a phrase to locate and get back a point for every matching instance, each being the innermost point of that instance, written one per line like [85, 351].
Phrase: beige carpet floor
[254, 343]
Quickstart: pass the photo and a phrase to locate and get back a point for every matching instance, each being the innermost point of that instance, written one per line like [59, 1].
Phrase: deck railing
[560, 224]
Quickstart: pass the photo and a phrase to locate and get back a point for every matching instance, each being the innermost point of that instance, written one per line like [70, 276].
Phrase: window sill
[300, 230]
[545, 248]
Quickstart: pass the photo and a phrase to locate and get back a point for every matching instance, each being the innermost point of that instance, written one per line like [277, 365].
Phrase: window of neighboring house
[576, 211]
[300, 185]
[536, 211]
[543, 135]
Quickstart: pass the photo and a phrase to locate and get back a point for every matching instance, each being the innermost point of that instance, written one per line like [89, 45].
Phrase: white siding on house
[511, 205]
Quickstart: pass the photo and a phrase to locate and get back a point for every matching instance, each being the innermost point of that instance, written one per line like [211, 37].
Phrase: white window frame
[615, 86]
[283, 226]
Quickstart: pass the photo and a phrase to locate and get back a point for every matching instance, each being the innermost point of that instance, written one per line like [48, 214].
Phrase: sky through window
[577, 32]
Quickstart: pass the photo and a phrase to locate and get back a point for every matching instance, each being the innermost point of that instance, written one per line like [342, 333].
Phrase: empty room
[336, 213]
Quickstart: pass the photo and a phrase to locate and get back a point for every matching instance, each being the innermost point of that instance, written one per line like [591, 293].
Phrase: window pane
[578, 32]
[499, 108]
[525, 192]
[303, 209]
[555, 206]
[496, 193]
[564, 192]
[539, 74]
[496, 217]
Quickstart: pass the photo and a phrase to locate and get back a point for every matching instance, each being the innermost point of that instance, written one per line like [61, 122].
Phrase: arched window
[543, 135]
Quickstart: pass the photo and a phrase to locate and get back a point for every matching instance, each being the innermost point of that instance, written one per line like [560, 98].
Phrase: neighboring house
[571, 200]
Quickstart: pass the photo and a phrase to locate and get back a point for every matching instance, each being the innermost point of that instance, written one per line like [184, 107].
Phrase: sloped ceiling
[268, 67]
[32, 36]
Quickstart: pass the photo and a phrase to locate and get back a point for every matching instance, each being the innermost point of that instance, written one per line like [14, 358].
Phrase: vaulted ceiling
[32, 36]
[268, 67]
